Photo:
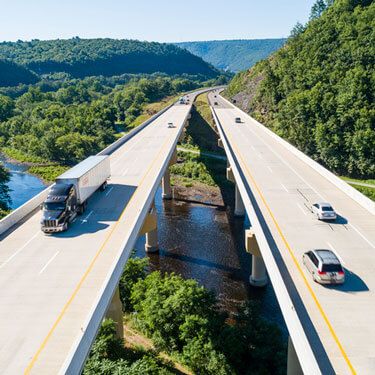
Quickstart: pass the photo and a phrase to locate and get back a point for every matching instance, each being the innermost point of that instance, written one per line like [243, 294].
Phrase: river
[197, 241]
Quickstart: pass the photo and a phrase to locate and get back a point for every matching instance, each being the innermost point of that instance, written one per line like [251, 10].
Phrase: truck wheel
[66, 225]
[103, 186]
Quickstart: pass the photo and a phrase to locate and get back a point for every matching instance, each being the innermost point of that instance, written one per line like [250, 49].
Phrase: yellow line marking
[291, 253]
[91, 265]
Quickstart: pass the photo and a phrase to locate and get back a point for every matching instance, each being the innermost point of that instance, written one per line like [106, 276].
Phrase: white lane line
[260, 157]
[125, 171]
[301, 208]
[270, 169]
[109, 191]
[19, 250]
[368, 241]
[253, 148]
[336, 253]
[46, 265]
[303, 179]
[86, 218]
[283, 186]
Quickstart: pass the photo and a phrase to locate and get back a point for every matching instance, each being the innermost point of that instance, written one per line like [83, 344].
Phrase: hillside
[318, 91]
[12, 74]
[107, 57]
[233, 55]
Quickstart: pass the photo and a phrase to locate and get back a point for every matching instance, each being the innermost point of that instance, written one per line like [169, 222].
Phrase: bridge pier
[166, 185]
[258, 275]
[293, 365]
[150, 229]
[239, 207]
[114, 312]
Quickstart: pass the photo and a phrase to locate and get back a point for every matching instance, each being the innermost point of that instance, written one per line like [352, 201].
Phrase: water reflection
[207, 244]
[23, 185]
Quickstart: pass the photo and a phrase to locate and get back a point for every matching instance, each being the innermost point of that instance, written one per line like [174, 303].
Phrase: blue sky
[152, 20]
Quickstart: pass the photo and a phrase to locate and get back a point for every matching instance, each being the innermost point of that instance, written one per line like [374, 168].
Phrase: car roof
[324, 204]
[327, 256]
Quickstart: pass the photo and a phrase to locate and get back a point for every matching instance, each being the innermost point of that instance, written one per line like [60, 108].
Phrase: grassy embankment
[202, 165]
[369, 191]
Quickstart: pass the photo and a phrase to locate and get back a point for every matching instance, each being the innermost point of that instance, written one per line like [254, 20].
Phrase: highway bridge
[55, 290]
[276, 185]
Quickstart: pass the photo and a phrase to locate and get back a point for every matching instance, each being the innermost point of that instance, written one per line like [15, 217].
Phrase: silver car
[324, 211]
[238, 120]
[324, 266]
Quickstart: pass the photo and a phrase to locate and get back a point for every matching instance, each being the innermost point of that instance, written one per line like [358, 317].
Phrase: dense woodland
[233, 55]
[318, 90]
[189, 327]
[108, 57]
[12, 74]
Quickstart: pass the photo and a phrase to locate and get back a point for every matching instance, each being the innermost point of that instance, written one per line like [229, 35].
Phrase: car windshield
[331, 268]
[54, 206]
[327, 208]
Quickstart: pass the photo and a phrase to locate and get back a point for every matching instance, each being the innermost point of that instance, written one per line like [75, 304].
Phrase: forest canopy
[108, 57]
[318, 91]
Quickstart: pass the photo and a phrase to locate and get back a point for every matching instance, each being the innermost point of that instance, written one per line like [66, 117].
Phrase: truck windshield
[54, 206]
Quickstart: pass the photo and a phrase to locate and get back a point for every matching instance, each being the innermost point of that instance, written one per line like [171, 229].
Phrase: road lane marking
[357, 230]
[109, 191]
[303, 179]
[19, 250]
[270, 169]
[301, 208]
[87, 217]
[295, 261]
[90, 267]
[283, 186]
[336, 253]
[47, 264]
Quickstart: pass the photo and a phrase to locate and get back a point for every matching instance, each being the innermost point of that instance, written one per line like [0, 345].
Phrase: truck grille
[50, 223]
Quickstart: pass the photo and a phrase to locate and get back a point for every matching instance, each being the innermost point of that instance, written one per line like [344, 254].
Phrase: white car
[324, 266]
[170, 125]
[323, 211]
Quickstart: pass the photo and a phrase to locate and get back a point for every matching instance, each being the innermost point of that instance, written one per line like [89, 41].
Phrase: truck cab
[59, 208]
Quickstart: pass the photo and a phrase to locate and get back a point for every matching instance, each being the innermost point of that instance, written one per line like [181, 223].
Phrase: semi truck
[68, 197]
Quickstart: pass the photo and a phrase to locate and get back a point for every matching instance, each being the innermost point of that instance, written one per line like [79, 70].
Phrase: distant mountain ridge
[108, 57]
[233, 55]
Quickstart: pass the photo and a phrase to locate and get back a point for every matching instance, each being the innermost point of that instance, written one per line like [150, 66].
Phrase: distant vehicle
[170, 125]
[324, 211]
[182, 101]
[215, 103]
[238, 120]
[234, 101]
[68, 197]
[324, 266]
[215, 96]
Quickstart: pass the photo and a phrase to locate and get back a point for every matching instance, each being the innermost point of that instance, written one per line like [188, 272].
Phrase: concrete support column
[293, 366]
[258, 275]
[239, 208]
[166, 185]
[114, 312]
[151, 245]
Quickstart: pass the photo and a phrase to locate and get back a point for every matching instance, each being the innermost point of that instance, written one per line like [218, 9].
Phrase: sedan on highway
[238, 120]
[324, 266]
[324, 211]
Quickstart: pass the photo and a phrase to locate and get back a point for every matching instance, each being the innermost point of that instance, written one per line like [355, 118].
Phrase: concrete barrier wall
[361, 199]
[18, 214]
[15, 216]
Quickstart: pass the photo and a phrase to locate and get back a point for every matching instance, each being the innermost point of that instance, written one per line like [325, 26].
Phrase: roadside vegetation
[318, 90]
[4, 192]
[187, 331]
[201, 165]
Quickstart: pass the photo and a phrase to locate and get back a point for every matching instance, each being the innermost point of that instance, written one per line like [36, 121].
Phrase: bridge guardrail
[296, 331]
[353, 193]
[28, 207]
